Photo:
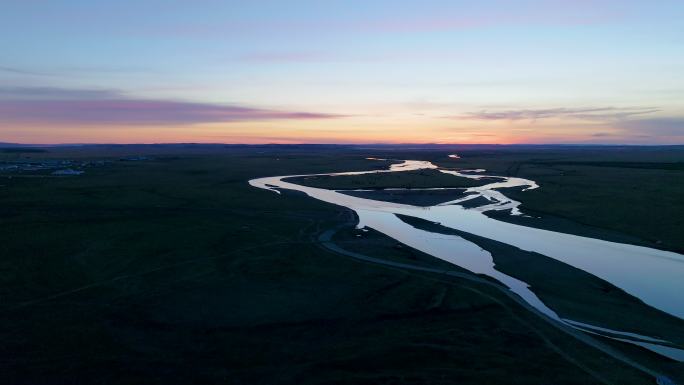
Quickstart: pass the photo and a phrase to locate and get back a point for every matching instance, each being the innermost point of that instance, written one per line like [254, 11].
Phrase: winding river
[654, 276]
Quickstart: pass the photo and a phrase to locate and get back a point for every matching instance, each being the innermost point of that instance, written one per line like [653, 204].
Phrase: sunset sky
[392, 71]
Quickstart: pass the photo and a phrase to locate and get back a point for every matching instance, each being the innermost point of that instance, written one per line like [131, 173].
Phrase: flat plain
[161, 264]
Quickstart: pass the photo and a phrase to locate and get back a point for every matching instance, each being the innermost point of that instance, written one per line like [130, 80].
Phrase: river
[654, 276]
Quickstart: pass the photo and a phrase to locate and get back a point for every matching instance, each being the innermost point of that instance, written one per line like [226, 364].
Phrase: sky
[385, 71]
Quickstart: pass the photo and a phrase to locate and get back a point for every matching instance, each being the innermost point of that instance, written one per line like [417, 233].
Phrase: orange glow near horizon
[353, 130]
[254, 133]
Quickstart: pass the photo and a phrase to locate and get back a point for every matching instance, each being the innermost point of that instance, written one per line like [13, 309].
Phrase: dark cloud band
[591, 113]
[55, 105]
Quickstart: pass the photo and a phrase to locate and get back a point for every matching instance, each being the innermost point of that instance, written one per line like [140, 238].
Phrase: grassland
[175, 270]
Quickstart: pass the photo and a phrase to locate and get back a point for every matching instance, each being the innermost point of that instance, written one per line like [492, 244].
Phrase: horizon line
[2, 144]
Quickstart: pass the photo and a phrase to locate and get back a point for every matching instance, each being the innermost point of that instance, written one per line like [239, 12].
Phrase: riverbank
[571, 292]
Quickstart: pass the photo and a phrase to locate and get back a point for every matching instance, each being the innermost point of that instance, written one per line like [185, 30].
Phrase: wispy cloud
[56, 93]
[588, 113]
[21, 71]
[283, 57]
[555, 15]
[49, 105]
[75, 71]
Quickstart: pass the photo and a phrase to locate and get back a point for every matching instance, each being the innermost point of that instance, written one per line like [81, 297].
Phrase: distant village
[56, 167]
